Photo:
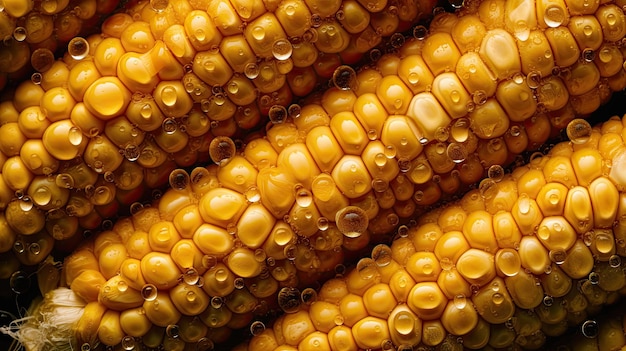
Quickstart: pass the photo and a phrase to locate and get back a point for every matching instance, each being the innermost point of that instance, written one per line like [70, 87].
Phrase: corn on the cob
[424, 121]
[32, 31]
[549, 232]
[81, 141]
[509, 264]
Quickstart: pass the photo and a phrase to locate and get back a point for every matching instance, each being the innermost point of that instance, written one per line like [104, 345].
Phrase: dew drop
[352, 221]
[344, 78]
[149, 292]
[579, 131]
[78, 48]
[222, 149]
[289, 299]
[590, 329]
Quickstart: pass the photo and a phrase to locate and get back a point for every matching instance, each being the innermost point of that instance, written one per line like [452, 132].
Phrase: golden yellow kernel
[134, 322]
[179, 44]
[341, 338]
[441, 53]
[370, 332]
[475, 75]
[110, 331]
[160, 270]
[524, 291]
[586, 30]
[427, 300]
[527, 214]
[222, 206]
[161, 311]
[533, 255]
[331, 37]
[476, 266]
[116, 295]
[107, 97]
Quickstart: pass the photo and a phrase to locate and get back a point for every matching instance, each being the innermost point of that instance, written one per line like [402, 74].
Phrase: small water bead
[173, 331]
[251, 70]
[479, 97]
[34, 249]
[495, 172]
[420, 32]
[26, 203]
[404, 164]
[397, 40]
[554, 16]
[588, 55]
[380, 185]
[191, 276]
[85, 347]
[375, 55]
[579, 131]
[277, 114]
[590, 329]
[381, 254]
[217, 302]
[533, 79]
[78, 48]
[239, 283]
[442, 134]
[344, 78]
[282, 49]
[128, 343]
[179, 179]
[460, 130]
[308, 296]
[36, 78]
[19, 247]
[323, 223]
[289, 299]
[367, 268]
[460, 301]
[352, 221]
[456, 152]
[222, 149]
[19, 282]
[122, 286]
[256, 328]
[169, 126]
[594, 278]
[557, 256]
[403, 231]
[149, 292]
[19, 33]
[488, 188]
[615, 261]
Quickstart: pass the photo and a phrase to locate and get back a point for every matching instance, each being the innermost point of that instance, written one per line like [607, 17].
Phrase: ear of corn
[94, 131]
[469, 275]
[516, 260]
[418, 125]
[408, 149]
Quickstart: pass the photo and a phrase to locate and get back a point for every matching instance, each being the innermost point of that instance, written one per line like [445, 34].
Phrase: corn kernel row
[81, 141]
[517, 260]
[32, 31]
